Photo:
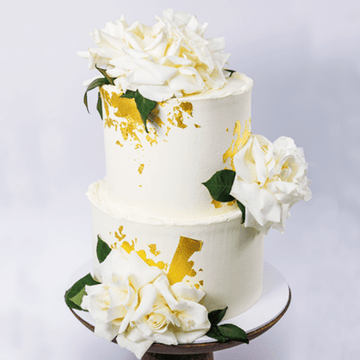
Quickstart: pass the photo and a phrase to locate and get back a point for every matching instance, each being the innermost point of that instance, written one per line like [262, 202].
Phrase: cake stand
[268, 310]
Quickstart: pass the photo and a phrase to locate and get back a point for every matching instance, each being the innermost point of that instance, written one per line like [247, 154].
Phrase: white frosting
[174, 166]
[99, 196]
[170, 58]
[228, 267]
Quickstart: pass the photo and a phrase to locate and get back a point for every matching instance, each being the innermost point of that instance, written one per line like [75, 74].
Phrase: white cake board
[272, 302]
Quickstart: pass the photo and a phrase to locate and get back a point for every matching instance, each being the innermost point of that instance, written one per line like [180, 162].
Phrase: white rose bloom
[170, 58]
[270, 179]
[136, 304]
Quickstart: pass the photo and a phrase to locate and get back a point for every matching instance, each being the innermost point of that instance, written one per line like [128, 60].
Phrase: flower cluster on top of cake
[169, 59]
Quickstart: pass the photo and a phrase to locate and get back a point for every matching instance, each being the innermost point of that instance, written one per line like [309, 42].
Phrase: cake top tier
[172, 58]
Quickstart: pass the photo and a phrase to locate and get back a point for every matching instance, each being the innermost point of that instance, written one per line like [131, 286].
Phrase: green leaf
[129, 94]
[226, 332]
[74, 295]
[104, 73]
[102, 250]
[96, 83]
[220, 184]
[216, 316]
[242, 208]
[99, 106]
[77, 298]
[216, 334]
[144, 105]
[230, 71]
[233, 332]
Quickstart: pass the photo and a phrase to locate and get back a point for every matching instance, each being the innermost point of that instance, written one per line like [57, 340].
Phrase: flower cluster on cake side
[268, 179]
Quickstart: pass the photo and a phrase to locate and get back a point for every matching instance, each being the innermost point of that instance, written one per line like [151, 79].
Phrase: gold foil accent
[246, 134]
[180, 265]
[177, 118]
[128, 120]
[141, 168]
[238, 142]
[197, 126]
[201, 283]
[119, 235]
[127, 247]
[153, 250]
[217, 204]
[160, 264]
[154, 116]
[131, 247]
[152, 140]
[187, 107]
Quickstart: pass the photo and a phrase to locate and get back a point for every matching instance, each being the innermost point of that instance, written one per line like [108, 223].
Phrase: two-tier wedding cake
[179, 221]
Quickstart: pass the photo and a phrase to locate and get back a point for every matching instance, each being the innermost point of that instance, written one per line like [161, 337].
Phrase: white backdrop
[304, 58]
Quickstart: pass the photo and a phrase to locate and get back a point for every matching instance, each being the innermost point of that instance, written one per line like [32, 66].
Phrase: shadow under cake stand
[268, 310]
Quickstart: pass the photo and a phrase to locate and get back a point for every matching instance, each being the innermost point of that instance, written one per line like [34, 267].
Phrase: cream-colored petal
[147, 299]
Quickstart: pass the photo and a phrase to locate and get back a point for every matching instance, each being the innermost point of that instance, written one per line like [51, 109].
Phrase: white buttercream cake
[153, 199]
[167, 198]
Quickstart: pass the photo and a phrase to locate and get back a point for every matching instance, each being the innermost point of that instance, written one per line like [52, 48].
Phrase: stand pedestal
[269, 309]
[149, 356]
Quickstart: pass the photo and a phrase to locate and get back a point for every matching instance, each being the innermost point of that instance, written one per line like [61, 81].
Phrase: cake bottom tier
[215, 254]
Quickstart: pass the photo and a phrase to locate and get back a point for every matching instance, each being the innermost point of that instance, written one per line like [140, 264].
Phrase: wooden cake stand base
[269, 309]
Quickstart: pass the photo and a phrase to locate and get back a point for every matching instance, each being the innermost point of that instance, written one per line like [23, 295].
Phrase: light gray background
[304, 58]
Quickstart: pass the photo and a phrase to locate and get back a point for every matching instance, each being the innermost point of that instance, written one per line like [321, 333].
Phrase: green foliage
[216, 316]
[106, 76]
[225, 332]
[144, 106]
[98, 83]
[74, 296]
[95, 84]
[220, 184]
[242, 208]
[102, 250]
[230, 71]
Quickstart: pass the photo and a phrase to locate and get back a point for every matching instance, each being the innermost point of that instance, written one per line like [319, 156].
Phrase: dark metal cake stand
[271, 307]
[198, 351]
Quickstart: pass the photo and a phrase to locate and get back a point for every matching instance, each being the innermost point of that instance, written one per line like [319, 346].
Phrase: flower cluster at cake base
[134, 303]
[269, 178]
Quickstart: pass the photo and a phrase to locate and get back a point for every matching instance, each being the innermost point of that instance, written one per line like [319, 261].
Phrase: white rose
[270, 179]
[113, 302]
[170, 58]
[136, 304]
[166, 314]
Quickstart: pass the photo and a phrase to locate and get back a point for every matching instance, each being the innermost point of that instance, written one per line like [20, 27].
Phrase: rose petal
[147, 295]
